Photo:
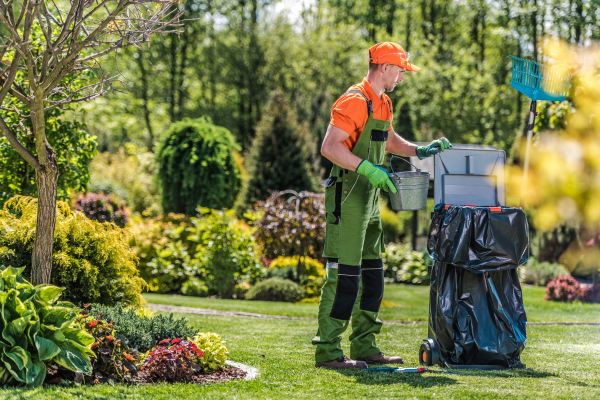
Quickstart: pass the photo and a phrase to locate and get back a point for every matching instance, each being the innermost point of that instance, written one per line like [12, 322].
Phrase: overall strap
[369, 102]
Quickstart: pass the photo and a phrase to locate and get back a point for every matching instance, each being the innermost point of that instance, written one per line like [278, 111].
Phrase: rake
[538, 82]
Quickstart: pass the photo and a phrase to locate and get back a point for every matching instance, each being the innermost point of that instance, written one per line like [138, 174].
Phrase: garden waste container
[476, 313]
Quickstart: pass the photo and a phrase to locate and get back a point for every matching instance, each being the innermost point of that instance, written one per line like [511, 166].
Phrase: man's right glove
[376, 175]
[436, 146]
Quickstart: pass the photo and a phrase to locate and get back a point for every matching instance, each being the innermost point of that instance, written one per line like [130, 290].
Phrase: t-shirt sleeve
[391, 114]
[349, 113]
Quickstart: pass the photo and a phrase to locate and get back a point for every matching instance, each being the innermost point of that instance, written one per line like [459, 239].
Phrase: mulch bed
[228, 373]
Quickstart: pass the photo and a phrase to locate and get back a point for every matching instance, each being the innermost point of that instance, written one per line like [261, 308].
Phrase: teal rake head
[537, 81]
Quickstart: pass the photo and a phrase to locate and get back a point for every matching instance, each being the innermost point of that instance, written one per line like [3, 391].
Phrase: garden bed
[231, 371]
[228, 373]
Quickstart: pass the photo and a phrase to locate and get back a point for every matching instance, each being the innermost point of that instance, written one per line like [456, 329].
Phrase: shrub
[540, 273]
[590, 293]
[310, 276]
[276, 289]
[226, 251]
[194, 287]
[287, 228]
[129, 174]
[92, 260]
[113, 361]
[172, 360]
[139, 332]
[240, 290]
[214, 250]
[103, 208]
[197, 167]
[397, 226]
[37, 329]
[563, 288]
[215, 352]
[393, 223]
[164, 251]
[281, 154]
[401, 264]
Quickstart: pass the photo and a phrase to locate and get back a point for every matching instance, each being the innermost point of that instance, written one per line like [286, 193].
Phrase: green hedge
[276, 289]
[197, 167]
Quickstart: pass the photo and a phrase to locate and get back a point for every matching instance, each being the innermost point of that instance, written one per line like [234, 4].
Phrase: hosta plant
[172, 360]
[38, 329]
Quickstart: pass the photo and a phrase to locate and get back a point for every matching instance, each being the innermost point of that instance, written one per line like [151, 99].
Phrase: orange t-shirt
[349, 112]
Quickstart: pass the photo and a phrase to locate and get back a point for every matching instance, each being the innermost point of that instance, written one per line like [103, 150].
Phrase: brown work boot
[342, 363]
[381, 358]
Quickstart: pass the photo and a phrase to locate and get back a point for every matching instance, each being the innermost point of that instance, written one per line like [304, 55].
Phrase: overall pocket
[333, 199]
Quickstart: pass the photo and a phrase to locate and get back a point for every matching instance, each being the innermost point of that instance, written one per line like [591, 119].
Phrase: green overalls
[353, 247]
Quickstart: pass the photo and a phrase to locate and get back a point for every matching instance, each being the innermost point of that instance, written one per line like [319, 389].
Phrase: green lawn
[401, 302]
[563, 361]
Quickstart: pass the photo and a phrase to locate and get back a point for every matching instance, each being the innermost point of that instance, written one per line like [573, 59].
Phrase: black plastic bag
[476, 313]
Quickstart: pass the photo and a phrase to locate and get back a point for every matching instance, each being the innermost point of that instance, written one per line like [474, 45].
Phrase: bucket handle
[400, 158]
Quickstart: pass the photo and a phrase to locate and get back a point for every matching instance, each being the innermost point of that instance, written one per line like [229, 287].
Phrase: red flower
[92, 324]
[165, 341]
[175, 341]
[199, 352]
[110, 338]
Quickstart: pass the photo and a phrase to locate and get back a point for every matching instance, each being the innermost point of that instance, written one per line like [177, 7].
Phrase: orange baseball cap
[391, 53]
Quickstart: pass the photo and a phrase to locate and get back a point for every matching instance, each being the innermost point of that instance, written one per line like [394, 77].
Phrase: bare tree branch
[19, 148]
[139, 30]
[94, 90]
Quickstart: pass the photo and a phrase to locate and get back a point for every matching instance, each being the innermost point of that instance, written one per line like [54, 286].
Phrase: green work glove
[376, 175]
[436, 146]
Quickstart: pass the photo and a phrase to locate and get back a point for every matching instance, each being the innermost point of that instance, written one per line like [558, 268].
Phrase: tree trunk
[212, 56]
[145, 98]
[534, 30]
[408, 26]
[41, 261]
[46, 180]
[579, 21]
[390, 18]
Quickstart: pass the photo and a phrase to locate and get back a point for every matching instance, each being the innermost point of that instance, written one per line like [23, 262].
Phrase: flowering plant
[172, 360]
[114, 361]
[563, 288]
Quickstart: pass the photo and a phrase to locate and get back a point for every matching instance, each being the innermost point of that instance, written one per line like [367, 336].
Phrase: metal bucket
[412, 189]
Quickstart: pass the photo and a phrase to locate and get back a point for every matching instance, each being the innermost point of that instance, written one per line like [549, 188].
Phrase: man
[359, 134]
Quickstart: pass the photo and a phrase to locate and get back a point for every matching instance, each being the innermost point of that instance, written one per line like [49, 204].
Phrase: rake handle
[530, 124]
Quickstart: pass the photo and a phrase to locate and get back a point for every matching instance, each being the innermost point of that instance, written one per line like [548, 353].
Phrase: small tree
[197, 167]
[50, 43]
[280, 155]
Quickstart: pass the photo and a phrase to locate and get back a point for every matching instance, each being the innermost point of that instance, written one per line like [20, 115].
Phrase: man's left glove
[435, 147]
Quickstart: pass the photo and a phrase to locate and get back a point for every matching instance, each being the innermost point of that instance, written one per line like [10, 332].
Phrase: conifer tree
[281, 155]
